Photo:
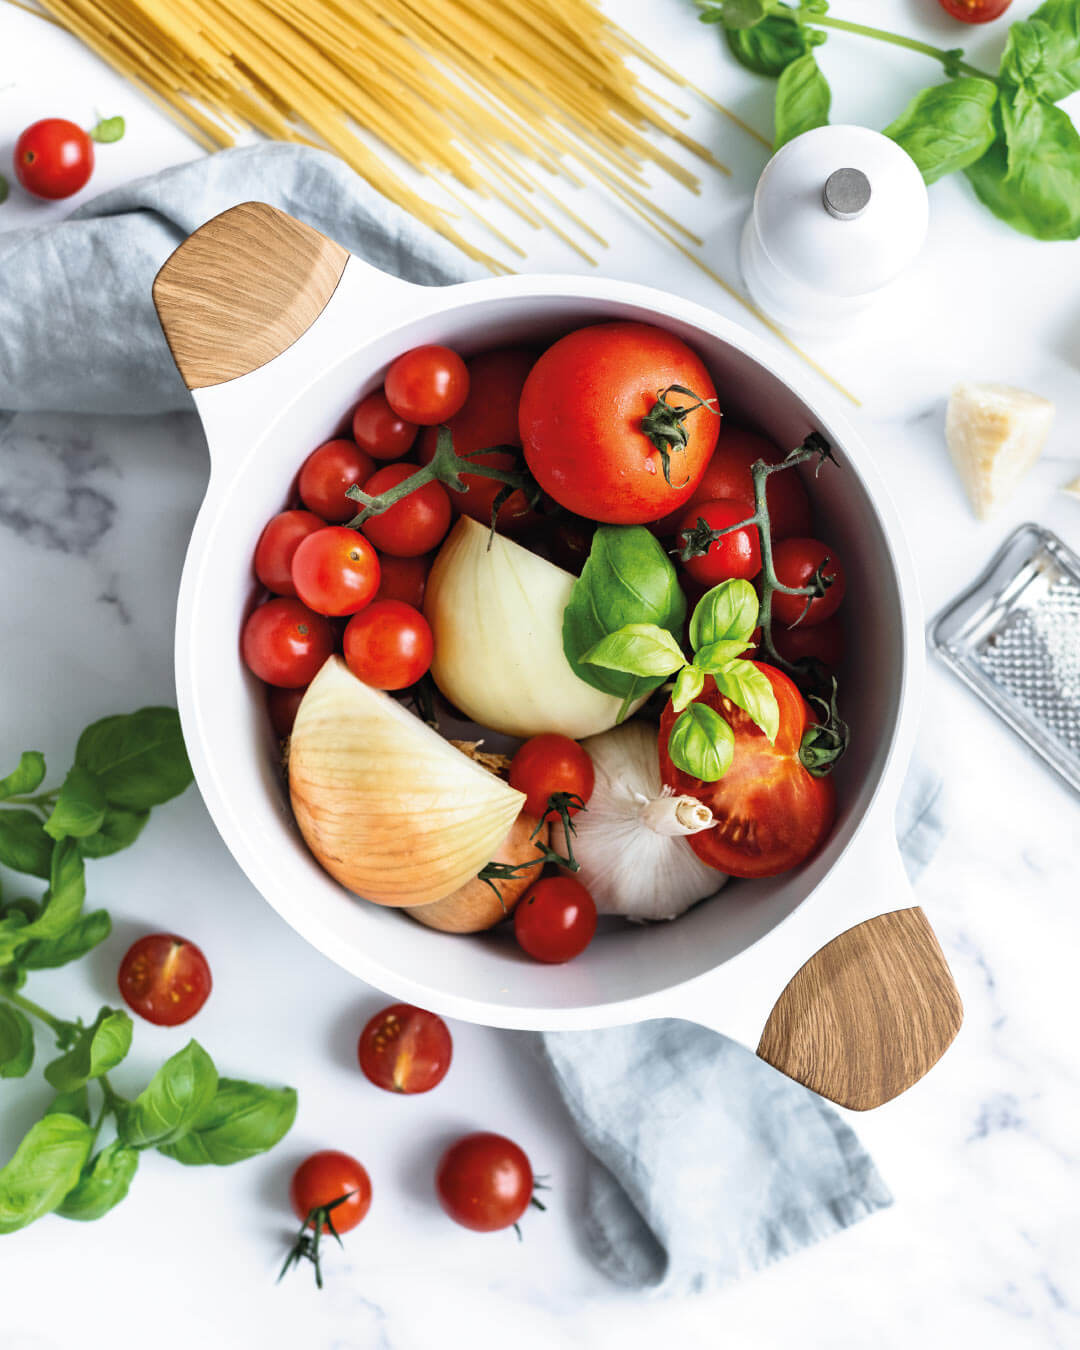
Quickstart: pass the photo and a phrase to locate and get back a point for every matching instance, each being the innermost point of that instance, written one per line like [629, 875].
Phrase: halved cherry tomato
[326, 474]
[975, 11]
[405, 1049]
[378, 430]
[403, 579]
[335, 571]
[555, 920]
[388, 645]
[550, 763]
[283, 705]
[733, 556]
[771, 812]
[277, 544]
[796, 561]
[412, 526]
[285, 643]
[484, 1182]
[324, 1178]
[427, 385]
[54, 158]
[165, 979]
[822, 642]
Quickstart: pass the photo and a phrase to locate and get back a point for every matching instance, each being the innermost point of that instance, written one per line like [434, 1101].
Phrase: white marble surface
[981, 1246]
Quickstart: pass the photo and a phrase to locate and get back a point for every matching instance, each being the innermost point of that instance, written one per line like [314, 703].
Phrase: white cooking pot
[278, 332]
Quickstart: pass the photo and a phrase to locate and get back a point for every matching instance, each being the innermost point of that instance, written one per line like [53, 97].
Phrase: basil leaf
[738, 13]
[28, 777]
[75, 1104]
[46, 1165]
[99, 1048]
[628, 579]
[80, 807]
[638, 649]
[1030, 176]
[244, 1119]
[139, 758]
[771, 46]
[716, 656]
[948, 127]
[24, 845]
[749, 689]
[67, 890]
[688, 684]
[103, 1184]
[802, 99]
[701, 743]
[76, 941]
[109, 129]
[727, 613]
[1043, 51]
[16, 1042]
[175, 1098]
[119, 830]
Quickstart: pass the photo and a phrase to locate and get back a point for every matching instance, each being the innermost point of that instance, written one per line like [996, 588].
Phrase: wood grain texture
[242, 289]
[868, 1014]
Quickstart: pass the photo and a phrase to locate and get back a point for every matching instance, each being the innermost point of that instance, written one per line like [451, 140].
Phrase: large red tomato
[581, 418]
[771, 812]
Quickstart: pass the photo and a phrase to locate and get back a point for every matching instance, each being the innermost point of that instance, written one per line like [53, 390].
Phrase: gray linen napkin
[705, 1162]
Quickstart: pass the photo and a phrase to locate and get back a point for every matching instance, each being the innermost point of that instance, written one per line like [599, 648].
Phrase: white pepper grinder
[839, 213]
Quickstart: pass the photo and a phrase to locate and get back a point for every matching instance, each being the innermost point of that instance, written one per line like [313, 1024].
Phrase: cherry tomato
[325, 475]
[581, 422]
[403, 579]
[551, 763]
[415, 524]
[728, 476]
[283, 705]
[489, 417]
[325, 1177]
[277, 544]
[165, 979]
[405, 1049]
[555, 920]
[823, 642]
[335, 571]
[732, 556]
[484, 1182]
[388, 645]
[427, 385]
[285, 643]
[975, 11]
[378, 430]
[796, 561]
[54, 158]
[771, 813]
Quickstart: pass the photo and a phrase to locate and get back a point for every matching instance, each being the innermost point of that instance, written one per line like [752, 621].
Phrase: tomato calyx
[306, 1246]
[824, 741]
[539, 1184]
[665, 424]
[561, 804]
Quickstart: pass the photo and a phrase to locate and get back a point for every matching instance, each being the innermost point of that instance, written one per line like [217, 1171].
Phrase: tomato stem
[665, 423]
[306, 1246]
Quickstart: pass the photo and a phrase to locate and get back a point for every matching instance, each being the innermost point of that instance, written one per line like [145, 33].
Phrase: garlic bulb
[496, 613]
[389, 808]
[631, 840]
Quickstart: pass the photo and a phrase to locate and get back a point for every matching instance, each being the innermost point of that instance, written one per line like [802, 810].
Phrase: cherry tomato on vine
[277, 544]
[54, 158]
[413, 525]
[324, 1178]
[285, 643]
[485, 1182]
[335, 571]
[405, 1049]
[403, 579]
[733, 556]
[555, 920]
[388, 645]
[823, 642]
[282, 706]
[378, 430]
[548, 764]
[165, 979]
[795, 562]
[975, 11]
[325, 475]
[427, 385]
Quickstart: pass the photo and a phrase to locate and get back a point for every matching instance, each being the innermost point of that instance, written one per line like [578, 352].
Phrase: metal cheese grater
[1014, 637]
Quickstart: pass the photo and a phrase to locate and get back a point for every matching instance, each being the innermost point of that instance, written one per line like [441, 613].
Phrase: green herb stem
[63, 1031]
[949, 59]
[113, 1100]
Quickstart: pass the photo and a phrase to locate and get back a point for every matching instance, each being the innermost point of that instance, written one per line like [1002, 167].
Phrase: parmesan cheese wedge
[995, 433]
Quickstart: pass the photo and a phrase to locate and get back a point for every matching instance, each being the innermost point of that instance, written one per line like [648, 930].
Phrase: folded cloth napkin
[704, 1161]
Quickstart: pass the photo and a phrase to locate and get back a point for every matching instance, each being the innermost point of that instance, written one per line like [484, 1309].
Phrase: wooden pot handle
[242, 289]
[868, 1014]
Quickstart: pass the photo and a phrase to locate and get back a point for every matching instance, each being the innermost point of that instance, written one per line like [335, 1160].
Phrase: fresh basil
[45, 1167]
[109, 129]
[688, 685]
[75, 1104]
[1030, 176]
[66, 893]
[103, 1184]
[750, 689]
[1043, 51]
[76, 941]
[24, 845]
[242, 1120]
[173, 1101]
[99, 1048]
[638, 649]
[138, 758]
[802, 99]
[770, 46]
[80, 807]
[27, 777]
[737, 14]
[727, 613]
[701, 743]
[716, 656]
[948, 127]
[119, 830]
[16, 1043]
[627, 579]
